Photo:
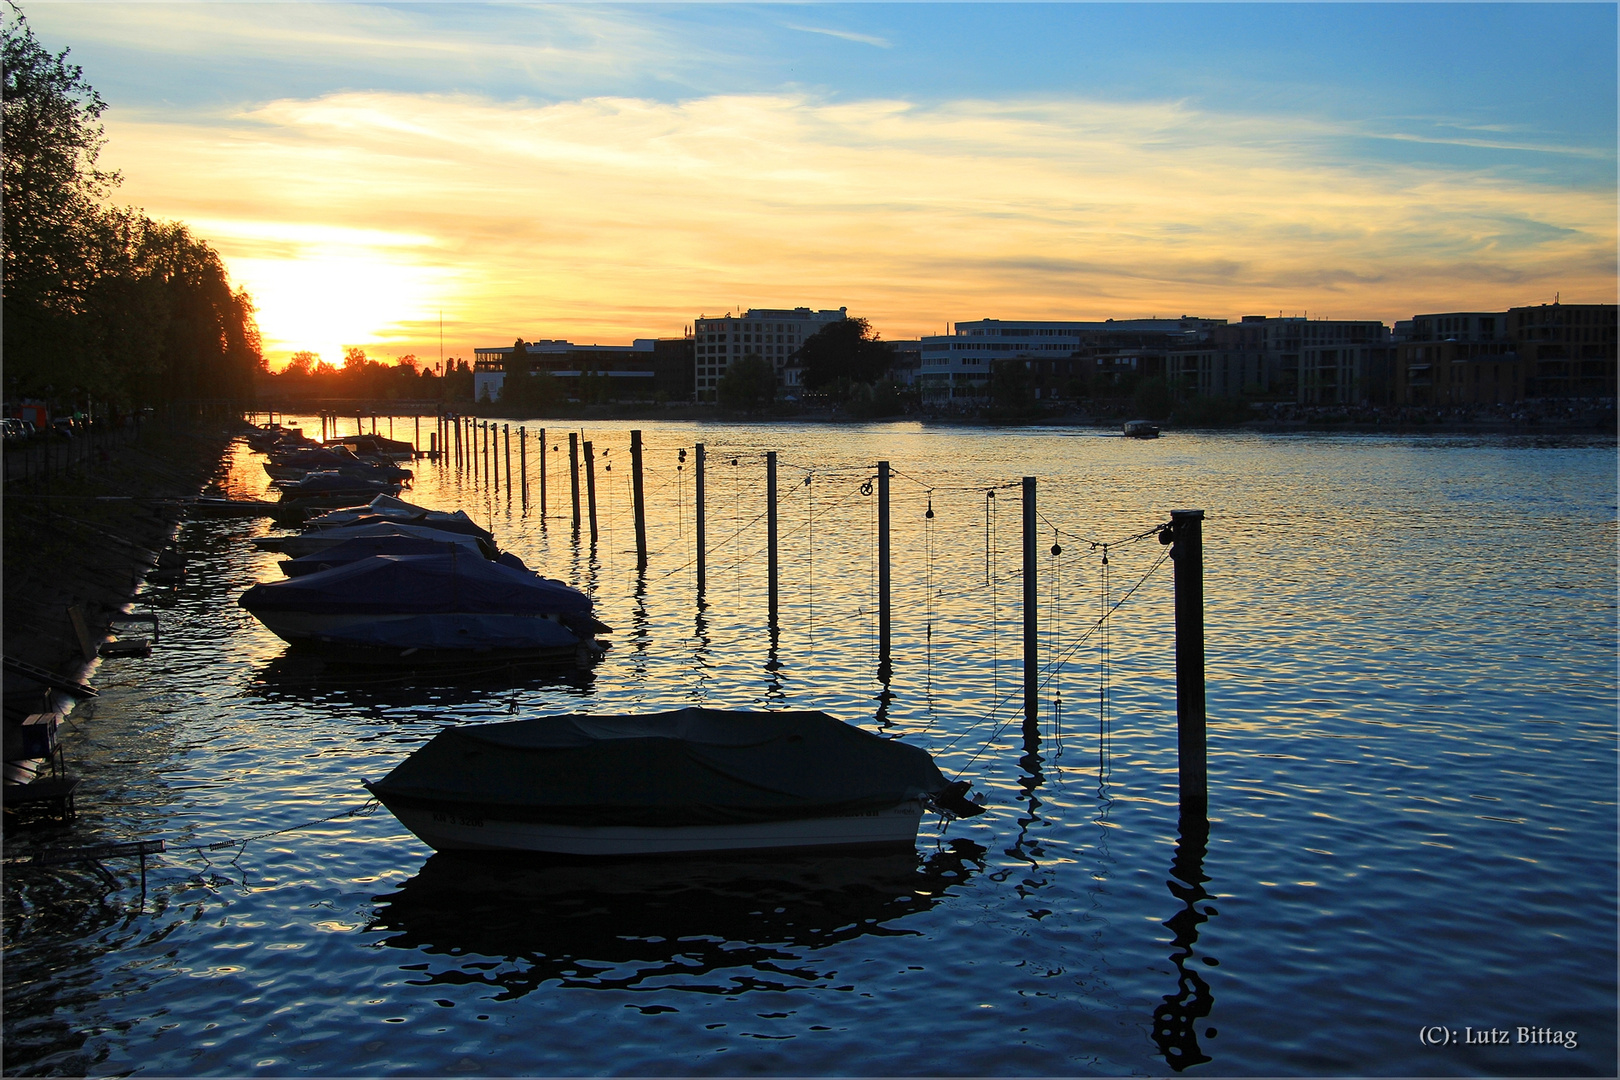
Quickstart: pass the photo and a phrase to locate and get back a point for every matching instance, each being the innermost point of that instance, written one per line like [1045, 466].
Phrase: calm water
[1412, 817]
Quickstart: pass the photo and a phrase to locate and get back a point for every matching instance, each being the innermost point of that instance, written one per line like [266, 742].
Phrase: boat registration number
[441, 818]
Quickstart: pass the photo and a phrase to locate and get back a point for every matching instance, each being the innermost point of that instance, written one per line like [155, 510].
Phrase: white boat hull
[447, 830]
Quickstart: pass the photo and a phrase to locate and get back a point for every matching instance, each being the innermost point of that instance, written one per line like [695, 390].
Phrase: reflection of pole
[883, 563]
[770, 536]
[590, 487]
[641, 506]
[573, 473]
[702, 526]
[1175, 1022]
[1188, 526]
[1032, 672]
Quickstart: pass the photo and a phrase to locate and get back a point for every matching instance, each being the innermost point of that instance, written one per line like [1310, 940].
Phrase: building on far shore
[1502, 357]
[773, 334]
[958, 365]
[641, 371]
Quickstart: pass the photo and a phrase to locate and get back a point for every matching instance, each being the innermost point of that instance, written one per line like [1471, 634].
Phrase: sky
[600, 173]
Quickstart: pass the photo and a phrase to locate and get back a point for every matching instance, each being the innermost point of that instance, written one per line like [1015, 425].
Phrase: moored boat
[693, 780]
[1141, 429]
[426, 609]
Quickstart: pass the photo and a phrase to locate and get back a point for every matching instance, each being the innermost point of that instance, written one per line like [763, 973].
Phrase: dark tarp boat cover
[690, 767]
[418, 585]
[457, 522]
[364, 547]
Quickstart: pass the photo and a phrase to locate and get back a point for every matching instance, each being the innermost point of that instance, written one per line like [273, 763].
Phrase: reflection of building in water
[1175, 1022]
[678, 923]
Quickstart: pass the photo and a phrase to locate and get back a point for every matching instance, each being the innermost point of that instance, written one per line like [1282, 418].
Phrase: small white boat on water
[694, 780]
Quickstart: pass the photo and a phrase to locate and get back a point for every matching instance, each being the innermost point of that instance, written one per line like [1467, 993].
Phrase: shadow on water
[294, 677]
[715, 926]
[1175, 1023]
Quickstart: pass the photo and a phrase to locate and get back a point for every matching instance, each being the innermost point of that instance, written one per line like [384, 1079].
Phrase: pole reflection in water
[711, 926]
[1175, 1022]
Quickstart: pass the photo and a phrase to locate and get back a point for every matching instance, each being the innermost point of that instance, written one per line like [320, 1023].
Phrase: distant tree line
[308, 376]
[101, 302]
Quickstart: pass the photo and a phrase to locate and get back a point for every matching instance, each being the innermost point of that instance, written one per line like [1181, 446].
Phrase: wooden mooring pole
[771, 564]
[702, 524]
[542, 474]
[506, 456]
[495, 456]
[590, 487]
[1188, 553]
[573, 474]
[1032, 672]
[883, 562]
[523, 465]
[637, 491]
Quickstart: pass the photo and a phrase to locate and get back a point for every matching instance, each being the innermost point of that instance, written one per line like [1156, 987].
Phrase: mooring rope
[1063, 658]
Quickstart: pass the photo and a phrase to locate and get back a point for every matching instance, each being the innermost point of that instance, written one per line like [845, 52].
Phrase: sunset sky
[601, 173]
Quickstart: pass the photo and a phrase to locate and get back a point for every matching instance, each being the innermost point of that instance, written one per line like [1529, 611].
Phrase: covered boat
[305, 543]
[426, 609]
[1141, 429]
[694, 780]
[364, 547]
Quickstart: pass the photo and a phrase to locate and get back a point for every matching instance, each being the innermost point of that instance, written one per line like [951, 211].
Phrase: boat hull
[446, 630]
[450, 829]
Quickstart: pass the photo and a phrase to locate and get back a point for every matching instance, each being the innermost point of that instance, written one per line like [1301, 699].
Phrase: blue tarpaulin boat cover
[419, 585]
[689, 767]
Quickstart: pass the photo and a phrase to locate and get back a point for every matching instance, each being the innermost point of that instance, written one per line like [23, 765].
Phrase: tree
[52, 136]
[1151, 399]
[750, 383]
[98, 300]
[846, 349]
[1012, 387]
[302, 363]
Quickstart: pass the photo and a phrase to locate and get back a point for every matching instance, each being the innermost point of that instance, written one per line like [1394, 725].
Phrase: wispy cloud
[616, 217]
[846, 35]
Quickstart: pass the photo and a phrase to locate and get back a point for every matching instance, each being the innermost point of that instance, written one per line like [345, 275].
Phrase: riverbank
[89, 537]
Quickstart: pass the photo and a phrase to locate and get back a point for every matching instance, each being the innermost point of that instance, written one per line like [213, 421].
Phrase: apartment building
[773, 334]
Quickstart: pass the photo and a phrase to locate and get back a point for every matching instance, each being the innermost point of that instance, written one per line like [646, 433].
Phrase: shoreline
[93, 536]
[1574, 418]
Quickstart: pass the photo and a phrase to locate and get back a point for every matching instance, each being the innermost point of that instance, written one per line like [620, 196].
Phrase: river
[1410, 845]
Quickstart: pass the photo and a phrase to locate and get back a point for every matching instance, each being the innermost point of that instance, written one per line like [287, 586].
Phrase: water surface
[1412, 698]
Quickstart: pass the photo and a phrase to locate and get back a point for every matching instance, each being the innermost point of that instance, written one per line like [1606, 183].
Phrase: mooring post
[573, 473]
[495, 456]
[523, 465]
[702, 524]
[542, 474]
[883, 563]
[770, 535]
[490, 460]
[506, 456]
[416, 439]
[1188, 553]
[641, 508]
[590, 487]
[1032, 672]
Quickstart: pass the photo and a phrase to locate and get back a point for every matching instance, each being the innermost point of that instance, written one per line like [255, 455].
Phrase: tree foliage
[847, 349]
[748, 384]
[101, 301]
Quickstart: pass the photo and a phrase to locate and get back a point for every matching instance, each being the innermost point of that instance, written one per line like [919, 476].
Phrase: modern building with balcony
[1568, 350]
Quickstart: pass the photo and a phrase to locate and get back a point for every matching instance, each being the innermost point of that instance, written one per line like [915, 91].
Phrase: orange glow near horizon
[357, 218]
